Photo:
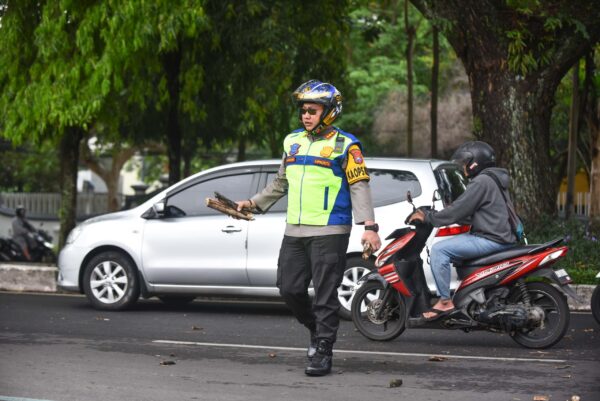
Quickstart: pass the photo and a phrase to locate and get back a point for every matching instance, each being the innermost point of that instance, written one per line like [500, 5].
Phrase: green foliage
[377, 63]
[531, 45]
[583, 239]
[28, 168]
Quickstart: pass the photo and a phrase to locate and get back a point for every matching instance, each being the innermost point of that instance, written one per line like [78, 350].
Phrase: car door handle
[231, 229]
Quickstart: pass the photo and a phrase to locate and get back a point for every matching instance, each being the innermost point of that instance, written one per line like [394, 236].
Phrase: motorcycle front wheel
[556, 317]
[596, 304]
[375, 319]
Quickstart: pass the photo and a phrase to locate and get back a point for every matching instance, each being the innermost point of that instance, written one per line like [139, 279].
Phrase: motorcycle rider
[324, 175]
[483, 206]
[21, 228]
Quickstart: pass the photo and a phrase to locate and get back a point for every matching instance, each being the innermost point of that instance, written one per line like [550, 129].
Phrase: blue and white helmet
[315, 91]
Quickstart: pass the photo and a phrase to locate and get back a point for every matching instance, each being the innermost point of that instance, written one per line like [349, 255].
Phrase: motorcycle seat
[517, 251]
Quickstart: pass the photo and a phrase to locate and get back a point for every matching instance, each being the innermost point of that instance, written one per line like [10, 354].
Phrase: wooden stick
[367, 251]
[217, 205]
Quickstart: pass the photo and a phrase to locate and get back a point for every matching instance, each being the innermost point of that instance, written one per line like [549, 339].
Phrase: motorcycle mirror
[436, 197]
[410, 199]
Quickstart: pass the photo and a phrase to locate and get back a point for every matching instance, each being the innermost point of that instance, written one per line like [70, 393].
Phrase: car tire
[111, 282]
[356, 268]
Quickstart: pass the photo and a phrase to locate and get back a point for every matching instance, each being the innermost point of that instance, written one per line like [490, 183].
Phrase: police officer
[324, 175]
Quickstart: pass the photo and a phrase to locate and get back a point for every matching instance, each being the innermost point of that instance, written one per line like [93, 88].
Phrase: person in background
[20, 231]
[323, 172]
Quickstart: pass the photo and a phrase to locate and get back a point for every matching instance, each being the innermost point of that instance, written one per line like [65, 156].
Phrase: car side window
[191, 201]
[390, 186]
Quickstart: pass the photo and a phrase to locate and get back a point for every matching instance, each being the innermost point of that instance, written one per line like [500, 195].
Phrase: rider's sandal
[438, 314]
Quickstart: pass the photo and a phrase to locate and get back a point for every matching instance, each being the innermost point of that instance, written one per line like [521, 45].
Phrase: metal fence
[582, 202]
[47, 205]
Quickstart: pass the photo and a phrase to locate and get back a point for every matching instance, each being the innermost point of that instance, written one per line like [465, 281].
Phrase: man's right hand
[245, 204]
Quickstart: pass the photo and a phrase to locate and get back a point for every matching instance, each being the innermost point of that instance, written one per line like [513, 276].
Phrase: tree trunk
[241, 153]
[592, 118]
[410, 33]
[512, 105]
[572, 151]
[595, 179]
[172, 63]
[513, 115]
[109, 174]
[435, 72]
[69, 160]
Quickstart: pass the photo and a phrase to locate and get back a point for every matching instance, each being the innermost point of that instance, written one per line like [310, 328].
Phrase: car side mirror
[159, 208]
[436, 195]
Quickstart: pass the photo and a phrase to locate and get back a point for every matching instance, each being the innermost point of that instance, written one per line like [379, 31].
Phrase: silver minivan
[176, 248]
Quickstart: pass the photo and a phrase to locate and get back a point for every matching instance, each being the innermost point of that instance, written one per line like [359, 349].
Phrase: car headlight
[74, 234]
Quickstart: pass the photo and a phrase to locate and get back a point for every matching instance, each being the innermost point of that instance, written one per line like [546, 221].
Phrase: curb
[29, 277]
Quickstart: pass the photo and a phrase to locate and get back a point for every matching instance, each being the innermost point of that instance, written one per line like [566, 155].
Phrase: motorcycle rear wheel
[367, 303]
[556, 320]
[596, 304]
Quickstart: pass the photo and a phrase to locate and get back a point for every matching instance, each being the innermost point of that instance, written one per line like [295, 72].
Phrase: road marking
[4, 398]
[343, 351]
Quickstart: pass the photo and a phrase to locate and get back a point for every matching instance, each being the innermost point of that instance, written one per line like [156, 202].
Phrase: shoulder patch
[355, 168]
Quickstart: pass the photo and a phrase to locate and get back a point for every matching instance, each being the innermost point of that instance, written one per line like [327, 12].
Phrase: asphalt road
[56, 347]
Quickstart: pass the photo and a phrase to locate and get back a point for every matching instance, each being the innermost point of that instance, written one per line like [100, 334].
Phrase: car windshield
[451, 182]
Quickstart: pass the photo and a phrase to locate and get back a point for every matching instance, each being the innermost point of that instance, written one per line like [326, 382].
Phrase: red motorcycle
[515, 291]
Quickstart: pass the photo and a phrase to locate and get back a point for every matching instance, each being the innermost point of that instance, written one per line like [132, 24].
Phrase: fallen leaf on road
[566, 376]
[395, 383]
[102, 318]
[197, 328]
[167, 363]
[588, 330]
[575, 398]
[541, 398]
[272, 355]
[563, 367]
[437, 359]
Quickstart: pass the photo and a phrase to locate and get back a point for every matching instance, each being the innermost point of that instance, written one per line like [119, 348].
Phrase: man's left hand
[372, 238]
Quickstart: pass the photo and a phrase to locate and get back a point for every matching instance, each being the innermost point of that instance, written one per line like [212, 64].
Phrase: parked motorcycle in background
[596, 301]
[493, 294]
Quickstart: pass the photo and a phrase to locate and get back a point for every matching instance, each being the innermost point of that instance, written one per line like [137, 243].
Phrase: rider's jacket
[319, 178]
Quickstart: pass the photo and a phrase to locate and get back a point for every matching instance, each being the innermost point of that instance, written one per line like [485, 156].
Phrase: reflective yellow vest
[318, 192]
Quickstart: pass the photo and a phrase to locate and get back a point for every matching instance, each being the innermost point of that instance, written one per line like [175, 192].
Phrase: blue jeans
[458, 248]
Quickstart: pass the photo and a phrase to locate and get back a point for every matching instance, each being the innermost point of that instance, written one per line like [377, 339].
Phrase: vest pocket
[325, 201]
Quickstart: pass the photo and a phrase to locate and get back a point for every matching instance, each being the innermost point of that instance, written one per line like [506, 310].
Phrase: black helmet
[20, 211]
[475, 156]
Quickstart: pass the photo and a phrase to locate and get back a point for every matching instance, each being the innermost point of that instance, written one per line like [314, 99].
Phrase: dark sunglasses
[312, 112]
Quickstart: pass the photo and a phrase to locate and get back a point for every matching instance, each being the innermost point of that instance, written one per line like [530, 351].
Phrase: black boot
[320, 364]
[312, 347]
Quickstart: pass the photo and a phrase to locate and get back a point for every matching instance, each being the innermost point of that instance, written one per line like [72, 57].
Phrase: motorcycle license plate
[563, 276]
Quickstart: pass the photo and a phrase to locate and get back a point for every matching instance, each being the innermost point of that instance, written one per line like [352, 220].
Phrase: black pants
[323, 260]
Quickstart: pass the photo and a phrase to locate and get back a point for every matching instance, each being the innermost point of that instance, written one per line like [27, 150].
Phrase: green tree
[377, 61]
[515, 53]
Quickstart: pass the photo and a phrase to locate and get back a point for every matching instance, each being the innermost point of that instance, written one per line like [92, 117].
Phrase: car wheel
[356, 268]
[111, 282]
[175, 300]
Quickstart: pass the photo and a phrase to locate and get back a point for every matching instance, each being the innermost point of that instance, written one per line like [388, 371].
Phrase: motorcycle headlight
[74, 234]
